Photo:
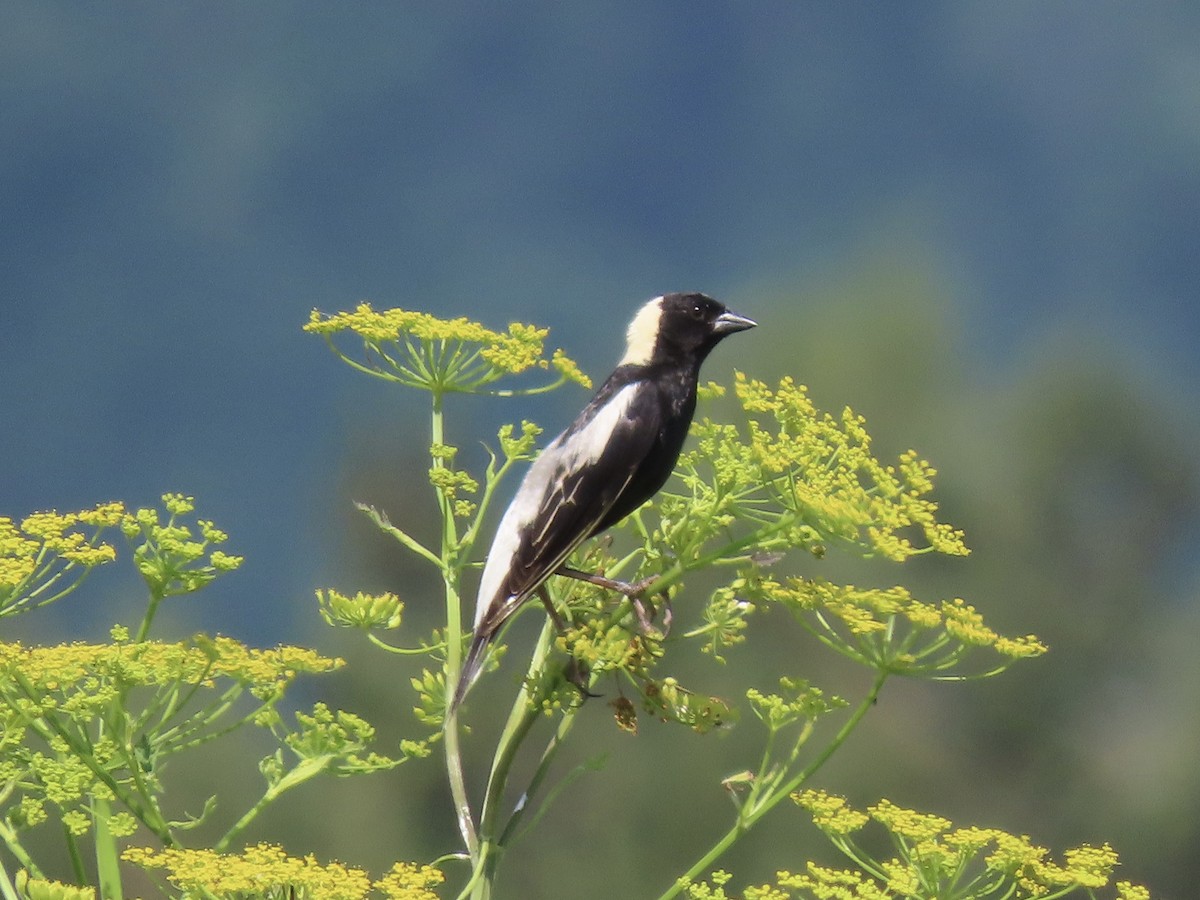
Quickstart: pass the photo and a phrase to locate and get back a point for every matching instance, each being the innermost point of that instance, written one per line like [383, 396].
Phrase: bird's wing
[572, 486]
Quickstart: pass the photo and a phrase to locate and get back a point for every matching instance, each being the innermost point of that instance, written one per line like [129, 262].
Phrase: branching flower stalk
[448, 357]
[48, 554]
[768, 788]
[89, 728]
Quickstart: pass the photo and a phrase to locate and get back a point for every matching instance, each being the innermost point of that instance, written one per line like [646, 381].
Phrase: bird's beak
[728, 322]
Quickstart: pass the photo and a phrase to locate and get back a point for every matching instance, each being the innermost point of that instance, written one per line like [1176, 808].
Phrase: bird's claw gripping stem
[644, 611]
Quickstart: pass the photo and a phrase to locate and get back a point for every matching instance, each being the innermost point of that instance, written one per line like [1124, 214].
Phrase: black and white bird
[615, 456]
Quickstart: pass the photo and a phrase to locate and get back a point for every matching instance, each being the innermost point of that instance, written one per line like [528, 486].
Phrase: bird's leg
[623, 587]
[645, 612]
[577, 671]
[554, 616]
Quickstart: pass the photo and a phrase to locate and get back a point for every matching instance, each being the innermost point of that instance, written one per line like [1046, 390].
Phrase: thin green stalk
[175, 703]
[527, 392]
[247, 817]
[450, 578]
[423, 650]
[190, 732]
[491, 482]
[454, 770]
[381, 522]
[510, 833]
[76, 858]
[144, 629]
[7, 889]
[521, 719]
[306, 770]
[108, 870]
[355, 364]
[748, 816]
[852, 852]
[8, 834]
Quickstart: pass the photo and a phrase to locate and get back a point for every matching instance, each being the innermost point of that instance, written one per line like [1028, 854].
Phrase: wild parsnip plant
[90, 730]
[773, 492]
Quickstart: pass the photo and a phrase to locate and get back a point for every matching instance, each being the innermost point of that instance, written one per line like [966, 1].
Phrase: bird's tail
[472, 666]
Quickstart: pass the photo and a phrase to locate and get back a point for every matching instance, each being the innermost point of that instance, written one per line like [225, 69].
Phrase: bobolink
[613, 458]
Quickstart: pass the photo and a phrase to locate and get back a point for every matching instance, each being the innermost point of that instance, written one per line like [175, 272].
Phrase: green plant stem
[458, 783]
[381, 522]
[521, 719]
[249, 816]
[108, 870]
[8, 834]
[423, 650]
[304, 771]
[156, 597]
[451, 570]
[752, 812]
[565, 724]
[76, 858]
[491, 481]
[7, 889]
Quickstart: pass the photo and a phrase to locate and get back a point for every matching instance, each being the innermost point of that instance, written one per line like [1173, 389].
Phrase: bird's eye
[697, 311]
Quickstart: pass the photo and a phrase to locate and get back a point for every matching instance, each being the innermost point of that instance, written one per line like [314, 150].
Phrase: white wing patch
[642, 334]
[584, 448]
[587, 444]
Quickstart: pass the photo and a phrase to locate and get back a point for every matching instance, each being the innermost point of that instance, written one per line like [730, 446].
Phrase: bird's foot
[643, 610]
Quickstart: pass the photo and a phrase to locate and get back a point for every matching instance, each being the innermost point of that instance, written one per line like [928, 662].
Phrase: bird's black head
[679, 328]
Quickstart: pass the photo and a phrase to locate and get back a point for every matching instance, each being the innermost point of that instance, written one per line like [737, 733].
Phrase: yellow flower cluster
[933, 853]
[603, 646]
[797, 469]
[64, 778]
[569, 369]
[909, 824]
[328, 735]
[87, 668]
[421, 350]
[516, 448]
[430, 689]
[714, 889]
[803, 702]
[380, 326]
[937, 636]
[832, 884]
[42, 889]
[41, 549]
[265, 870]
[360, 611]
[819, 883]
[407, 881]
[170, 557]
[597, 645]
[830, 813]
[448, 482]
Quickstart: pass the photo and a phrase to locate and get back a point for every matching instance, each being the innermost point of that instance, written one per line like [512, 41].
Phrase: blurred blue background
[976, 223]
